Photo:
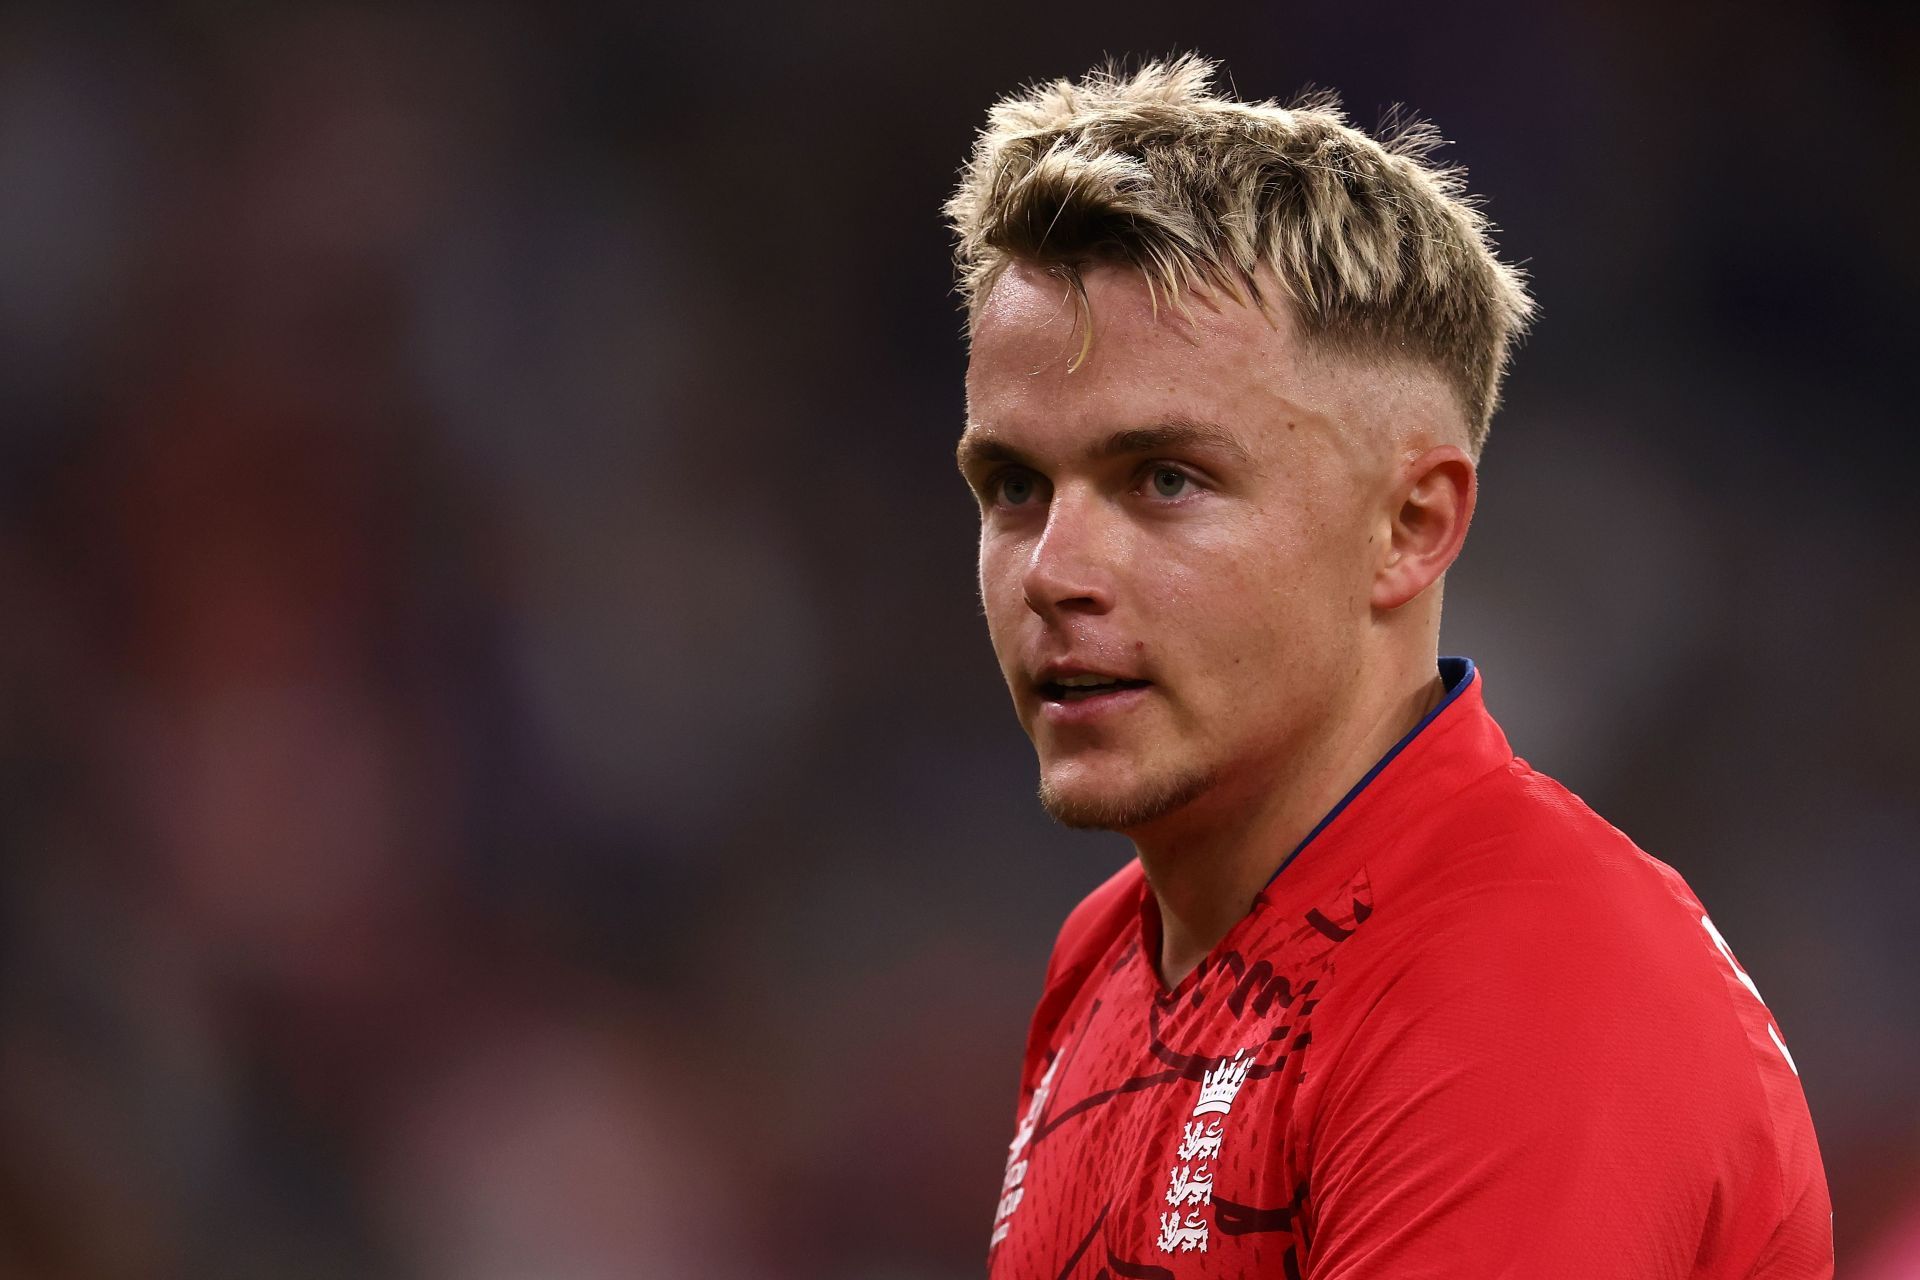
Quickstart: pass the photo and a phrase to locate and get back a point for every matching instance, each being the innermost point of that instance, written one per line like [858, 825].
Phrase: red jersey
[1468, 1030]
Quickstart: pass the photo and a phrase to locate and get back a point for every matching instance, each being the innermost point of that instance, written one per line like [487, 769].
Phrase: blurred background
[501, 771]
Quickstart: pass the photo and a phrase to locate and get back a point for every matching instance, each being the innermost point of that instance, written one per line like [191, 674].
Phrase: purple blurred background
[501, 770]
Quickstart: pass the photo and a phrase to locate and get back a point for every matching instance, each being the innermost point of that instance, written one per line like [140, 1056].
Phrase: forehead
[1217, 359]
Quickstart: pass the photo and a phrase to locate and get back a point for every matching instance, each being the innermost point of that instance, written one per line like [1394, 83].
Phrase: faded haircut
[1379, 251]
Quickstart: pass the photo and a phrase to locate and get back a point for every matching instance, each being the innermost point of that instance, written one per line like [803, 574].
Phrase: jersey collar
[1454, 743]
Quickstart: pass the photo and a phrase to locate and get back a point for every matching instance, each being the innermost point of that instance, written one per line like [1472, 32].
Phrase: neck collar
[1459, 675]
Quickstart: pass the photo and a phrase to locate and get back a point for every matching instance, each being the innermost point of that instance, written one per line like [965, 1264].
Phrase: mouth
[1085, 687]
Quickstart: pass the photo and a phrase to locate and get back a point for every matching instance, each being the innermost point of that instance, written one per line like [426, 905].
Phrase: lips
[1065, 684]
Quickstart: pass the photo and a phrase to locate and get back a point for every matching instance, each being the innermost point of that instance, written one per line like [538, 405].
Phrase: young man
[1376, 999]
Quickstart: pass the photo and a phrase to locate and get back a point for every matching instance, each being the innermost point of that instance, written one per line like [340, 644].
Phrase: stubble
[1124, 811]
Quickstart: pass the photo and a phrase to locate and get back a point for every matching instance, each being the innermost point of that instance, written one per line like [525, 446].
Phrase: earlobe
[1426, 524]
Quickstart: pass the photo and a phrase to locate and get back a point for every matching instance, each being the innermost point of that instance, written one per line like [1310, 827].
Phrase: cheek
[1246, 572]
[1000, 591]
[1256, 601]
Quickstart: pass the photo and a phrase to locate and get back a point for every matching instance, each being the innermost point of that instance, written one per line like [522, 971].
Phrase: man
[1376, 999]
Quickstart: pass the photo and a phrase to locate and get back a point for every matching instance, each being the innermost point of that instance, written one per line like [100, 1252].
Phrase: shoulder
[1087, 938]
[1517, 846]
[1515, 898]
[1524, 941]
[1101, 917]
[1518, 931]
[1543, 990]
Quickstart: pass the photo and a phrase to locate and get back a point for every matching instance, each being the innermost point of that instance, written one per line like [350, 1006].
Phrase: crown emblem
[1220, 1086]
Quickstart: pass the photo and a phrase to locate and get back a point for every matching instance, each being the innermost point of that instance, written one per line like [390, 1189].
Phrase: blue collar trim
[1457, 673]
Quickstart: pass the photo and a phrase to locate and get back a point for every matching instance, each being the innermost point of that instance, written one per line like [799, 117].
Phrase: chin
[1098, 804]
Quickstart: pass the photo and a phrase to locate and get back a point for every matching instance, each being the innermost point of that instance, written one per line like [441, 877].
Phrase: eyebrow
[978, 448]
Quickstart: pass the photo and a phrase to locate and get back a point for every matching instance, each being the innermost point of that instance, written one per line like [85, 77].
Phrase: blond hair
[1380, 252]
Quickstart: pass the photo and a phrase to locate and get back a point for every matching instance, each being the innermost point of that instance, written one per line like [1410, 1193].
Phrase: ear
[1425, 524]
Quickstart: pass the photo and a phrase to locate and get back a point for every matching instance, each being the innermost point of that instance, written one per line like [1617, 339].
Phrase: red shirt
[1468, 1030]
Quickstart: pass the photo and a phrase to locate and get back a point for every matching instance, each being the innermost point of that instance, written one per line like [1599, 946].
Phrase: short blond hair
[1380, 251]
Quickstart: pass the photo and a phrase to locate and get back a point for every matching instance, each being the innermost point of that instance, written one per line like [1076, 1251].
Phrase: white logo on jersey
[1191, 1182]
[1726, 953]
[1201, 1140]
[1220, 1086]
[1184, 1236]
[1188, 1187]
[1011, 1190]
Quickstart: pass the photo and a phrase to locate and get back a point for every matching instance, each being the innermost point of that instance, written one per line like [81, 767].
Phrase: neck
[1206, 862]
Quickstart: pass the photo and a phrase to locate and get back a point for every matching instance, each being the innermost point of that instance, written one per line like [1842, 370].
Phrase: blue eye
[1169, 483]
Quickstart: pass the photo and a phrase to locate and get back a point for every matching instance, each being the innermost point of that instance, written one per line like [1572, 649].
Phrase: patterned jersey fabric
[1469, 1030]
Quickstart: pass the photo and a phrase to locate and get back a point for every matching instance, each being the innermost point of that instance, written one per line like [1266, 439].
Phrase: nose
[1071, 567]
